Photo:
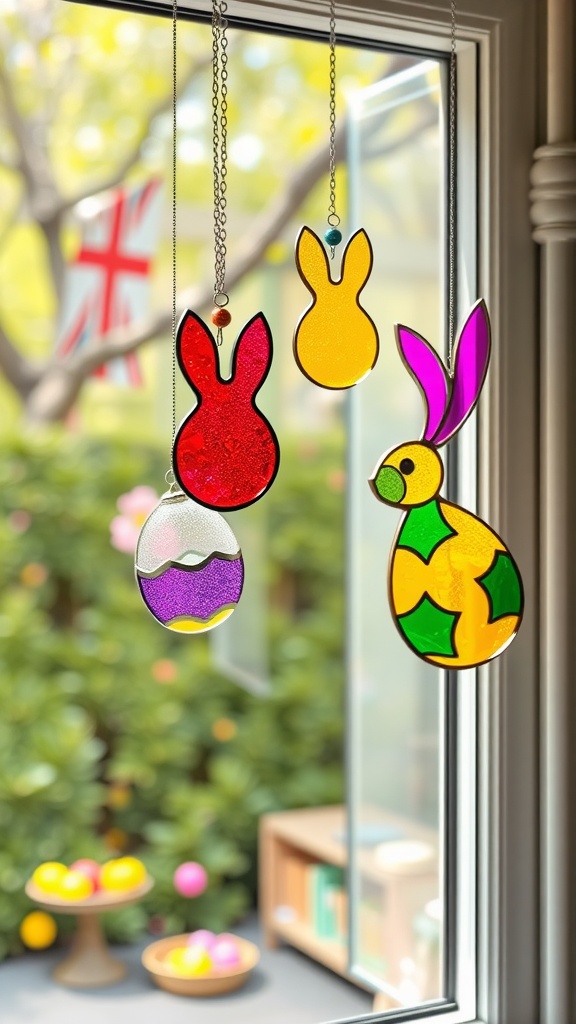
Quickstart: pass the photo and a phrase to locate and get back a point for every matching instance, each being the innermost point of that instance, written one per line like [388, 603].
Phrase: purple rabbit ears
[449, 398]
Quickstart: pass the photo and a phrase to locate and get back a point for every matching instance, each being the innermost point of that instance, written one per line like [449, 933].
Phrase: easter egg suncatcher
[455, 591]
[189, 565]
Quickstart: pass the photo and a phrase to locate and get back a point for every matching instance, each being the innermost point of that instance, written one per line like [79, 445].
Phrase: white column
[553, 199]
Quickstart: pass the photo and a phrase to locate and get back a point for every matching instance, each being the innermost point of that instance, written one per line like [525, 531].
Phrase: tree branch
[8, 162]
[62, 380]
[32, 159]
[19, 371]
[11, 221]
[43, 198]
[15, 124]
[265, 230]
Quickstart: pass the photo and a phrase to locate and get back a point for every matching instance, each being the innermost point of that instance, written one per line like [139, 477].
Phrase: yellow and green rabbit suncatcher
[455, 591]
[336, 342]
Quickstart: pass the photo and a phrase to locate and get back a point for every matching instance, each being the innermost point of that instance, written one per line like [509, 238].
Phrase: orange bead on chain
[220, 317]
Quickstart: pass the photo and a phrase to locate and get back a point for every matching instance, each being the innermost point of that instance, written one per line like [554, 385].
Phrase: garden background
[116, 735]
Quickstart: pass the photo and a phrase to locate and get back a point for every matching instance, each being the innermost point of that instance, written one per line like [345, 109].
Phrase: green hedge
[93, 749]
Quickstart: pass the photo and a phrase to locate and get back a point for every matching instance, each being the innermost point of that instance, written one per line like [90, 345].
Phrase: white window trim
[506, 35]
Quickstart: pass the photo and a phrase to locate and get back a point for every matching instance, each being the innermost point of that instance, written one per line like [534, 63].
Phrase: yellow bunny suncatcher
[336, 341]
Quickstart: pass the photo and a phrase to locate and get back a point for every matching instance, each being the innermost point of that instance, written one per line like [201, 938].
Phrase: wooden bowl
[213, 984]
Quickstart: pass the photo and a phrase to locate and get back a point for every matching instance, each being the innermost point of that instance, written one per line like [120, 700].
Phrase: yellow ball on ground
[38, 930]
[122, 874]
[74, 886]
[189, 961]
[48, 876]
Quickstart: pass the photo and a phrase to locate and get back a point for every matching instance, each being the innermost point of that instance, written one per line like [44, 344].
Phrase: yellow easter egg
[189, 961]
[48, 876]
[74, 886]
[122, 874]
[136, 869]
[38, 930]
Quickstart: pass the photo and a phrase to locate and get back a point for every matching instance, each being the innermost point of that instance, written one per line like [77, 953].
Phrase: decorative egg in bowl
[179, 965]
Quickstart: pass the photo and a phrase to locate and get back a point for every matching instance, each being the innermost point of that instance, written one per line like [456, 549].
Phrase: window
[505, 965]
[403, 748]
[476, 739]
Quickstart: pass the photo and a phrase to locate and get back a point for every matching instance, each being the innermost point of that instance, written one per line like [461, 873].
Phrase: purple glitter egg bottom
[195, 593]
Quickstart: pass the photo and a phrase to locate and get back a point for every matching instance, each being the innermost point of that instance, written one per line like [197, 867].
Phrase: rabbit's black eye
[407, 467]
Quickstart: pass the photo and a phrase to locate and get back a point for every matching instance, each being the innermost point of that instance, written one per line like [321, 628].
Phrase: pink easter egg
[226, 953]
[202, 937]
[190, 879]
[89, 868]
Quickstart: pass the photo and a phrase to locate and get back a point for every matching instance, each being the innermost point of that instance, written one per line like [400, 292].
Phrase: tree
[44, 62]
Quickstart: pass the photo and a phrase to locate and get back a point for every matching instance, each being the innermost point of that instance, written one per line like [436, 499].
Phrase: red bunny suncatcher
[225, 454]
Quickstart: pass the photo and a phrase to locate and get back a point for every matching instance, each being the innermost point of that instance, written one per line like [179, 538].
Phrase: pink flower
[135, 507]
[19, 520]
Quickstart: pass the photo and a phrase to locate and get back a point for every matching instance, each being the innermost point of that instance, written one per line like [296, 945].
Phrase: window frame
[508, 44]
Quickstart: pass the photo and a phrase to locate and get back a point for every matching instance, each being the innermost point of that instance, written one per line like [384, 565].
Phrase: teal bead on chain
[333, 236]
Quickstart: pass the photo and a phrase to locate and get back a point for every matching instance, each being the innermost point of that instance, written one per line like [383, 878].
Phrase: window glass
[189, 746]
[395, 698]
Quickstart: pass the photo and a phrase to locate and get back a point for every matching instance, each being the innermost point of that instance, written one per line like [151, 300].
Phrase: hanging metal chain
[220, 151]
[174, 154]
[452, 224]
[333, 218]
[332, 236]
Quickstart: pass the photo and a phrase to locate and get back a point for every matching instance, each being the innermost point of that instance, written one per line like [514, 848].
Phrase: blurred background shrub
[118, 736]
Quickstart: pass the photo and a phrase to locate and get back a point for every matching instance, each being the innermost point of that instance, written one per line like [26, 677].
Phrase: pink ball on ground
[90, 869]
[190, 879]
[202, 937]
[226, 953]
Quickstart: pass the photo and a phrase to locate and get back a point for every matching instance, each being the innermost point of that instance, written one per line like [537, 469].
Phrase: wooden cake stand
[89, 963]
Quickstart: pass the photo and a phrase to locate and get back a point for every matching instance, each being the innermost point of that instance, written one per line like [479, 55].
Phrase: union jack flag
[107, 283]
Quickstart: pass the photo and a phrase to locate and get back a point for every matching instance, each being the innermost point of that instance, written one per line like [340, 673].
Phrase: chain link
[333, 218]
[174, 155]
[452, 225]
[219, 147]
